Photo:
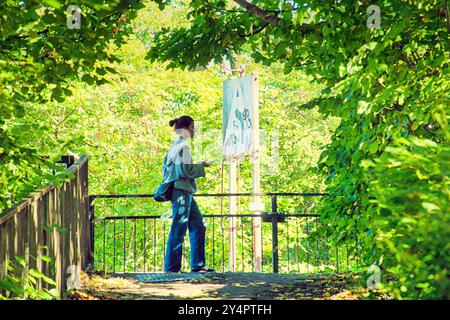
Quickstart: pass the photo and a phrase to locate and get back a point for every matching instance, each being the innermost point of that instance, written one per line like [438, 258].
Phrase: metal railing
[136, 243]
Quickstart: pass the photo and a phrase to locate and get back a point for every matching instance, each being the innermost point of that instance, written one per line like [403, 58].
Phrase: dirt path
[250, 286]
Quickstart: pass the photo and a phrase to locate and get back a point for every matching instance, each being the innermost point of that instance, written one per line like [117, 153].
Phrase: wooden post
[232, 210]
[257, 250]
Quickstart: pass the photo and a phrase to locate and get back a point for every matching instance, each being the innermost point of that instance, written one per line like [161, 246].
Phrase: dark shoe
[171, 271]
[205, 269]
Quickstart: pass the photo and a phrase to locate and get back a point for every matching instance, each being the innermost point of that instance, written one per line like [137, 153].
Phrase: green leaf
[362, 107]
[430, 207]
[52, 3]
[373, 147]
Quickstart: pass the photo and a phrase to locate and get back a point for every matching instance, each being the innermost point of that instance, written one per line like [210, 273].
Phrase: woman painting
[179, 168]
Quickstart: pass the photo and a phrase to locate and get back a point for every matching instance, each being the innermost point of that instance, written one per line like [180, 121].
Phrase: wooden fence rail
[54, 222]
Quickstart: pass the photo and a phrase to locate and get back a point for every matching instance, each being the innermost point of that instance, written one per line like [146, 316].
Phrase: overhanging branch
[266, 16]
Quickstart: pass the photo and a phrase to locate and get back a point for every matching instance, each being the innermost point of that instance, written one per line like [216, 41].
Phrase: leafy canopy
[39, 58]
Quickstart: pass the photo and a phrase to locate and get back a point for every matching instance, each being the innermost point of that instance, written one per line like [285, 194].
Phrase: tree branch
[266, 16]
[18, 37]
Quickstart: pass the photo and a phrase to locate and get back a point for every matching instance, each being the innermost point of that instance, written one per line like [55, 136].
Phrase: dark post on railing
[91, 230]
[67, 160]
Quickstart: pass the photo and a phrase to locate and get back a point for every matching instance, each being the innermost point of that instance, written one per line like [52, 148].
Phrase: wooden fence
[54, 222]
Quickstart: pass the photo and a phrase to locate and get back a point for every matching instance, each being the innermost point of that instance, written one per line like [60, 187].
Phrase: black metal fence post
[92, 228]
[274, 216]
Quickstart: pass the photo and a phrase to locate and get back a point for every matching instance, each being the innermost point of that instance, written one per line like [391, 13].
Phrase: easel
[233, 188]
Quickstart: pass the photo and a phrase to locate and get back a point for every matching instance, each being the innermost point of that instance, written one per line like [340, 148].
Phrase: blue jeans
[185, 214]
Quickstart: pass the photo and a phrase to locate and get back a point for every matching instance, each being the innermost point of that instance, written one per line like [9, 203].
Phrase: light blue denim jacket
[178, 167]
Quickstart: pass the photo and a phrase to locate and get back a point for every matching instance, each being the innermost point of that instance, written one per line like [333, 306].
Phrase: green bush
[21, 282]
[411, 188]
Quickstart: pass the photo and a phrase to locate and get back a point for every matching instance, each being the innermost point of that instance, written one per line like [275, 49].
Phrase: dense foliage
[389, 85]
[39, 57]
